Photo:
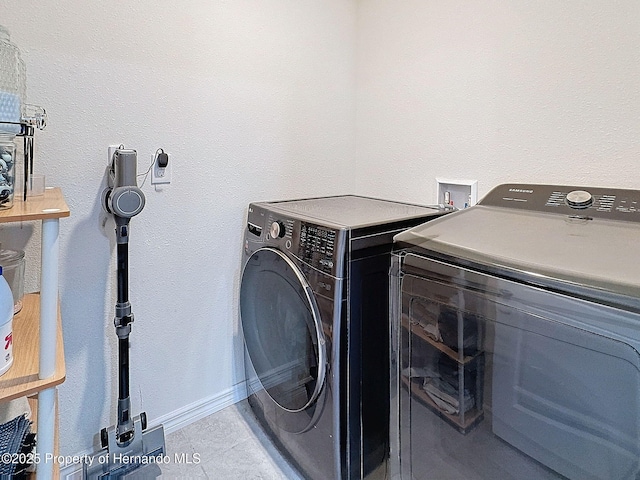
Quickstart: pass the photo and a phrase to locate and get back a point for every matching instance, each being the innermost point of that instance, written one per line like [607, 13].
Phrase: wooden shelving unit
[49, 206]
[420, 333]
[463, 421]
[38, 349]
[22, 378]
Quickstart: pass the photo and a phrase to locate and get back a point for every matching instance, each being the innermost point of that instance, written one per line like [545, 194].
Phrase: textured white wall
[254, 100]
[532, 91]
[258, 100]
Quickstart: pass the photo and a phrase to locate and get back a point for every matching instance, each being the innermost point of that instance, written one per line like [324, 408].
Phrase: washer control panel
[313, 244]
[317, 246]
[596, 202]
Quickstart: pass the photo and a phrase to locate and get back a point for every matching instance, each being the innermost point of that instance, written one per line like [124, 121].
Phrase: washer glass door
[282, 329]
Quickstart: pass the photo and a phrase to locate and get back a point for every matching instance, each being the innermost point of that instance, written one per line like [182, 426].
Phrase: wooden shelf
[419, 332]
[22, 377]
[471, 417]
[43, 207]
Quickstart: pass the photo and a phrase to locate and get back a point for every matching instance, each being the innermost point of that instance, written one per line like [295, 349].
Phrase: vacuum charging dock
[129, 449]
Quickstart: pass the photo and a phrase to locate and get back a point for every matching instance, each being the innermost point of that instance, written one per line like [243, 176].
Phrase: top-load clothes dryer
[314, 315]
[516, 332]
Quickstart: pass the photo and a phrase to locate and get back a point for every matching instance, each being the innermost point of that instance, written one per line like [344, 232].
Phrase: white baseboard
[174, 421]
[197, 410]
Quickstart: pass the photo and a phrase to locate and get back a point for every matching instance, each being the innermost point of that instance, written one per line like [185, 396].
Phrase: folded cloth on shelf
[424, 315]
[15, 438]
[445, 396]
[440, 391]
[449, 324]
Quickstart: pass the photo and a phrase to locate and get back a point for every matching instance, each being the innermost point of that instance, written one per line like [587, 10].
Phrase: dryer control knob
[579, 199]
[277, 230]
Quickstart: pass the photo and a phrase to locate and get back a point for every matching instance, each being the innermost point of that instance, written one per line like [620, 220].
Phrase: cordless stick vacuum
[129, 449]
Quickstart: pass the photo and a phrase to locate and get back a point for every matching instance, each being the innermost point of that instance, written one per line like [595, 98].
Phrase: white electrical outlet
[160, 175]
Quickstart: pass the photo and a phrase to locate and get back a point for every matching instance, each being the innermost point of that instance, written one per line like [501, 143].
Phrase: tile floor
[230, 445]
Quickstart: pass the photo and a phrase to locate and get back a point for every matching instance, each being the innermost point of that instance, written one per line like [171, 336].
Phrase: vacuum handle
[125, 200]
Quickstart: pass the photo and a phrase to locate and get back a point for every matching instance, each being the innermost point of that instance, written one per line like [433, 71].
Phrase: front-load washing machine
[314, 316]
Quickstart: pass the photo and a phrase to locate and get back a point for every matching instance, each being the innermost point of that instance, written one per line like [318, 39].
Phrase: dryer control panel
[587, 202]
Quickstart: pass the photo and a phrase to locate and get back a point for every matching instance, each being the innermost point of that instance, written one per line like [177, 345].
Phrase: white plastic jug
[6, 321]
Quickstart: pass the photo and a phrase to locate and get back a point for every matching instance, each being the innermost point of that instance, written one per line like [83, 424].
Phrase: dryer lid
[533, 233]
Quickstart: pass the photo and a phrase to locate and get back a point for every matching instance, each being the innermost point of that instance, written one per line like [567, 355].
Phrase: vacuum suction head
[140, 458]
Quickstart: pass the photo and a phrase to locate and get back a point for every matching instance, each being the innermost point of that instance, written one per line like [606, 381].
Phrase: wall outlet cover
[159, 175]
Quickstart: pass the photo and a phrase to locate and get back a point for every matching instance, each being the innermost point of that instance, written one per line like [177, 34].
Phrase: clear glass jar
[13, 84]
[7, 170]
[13, 91]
